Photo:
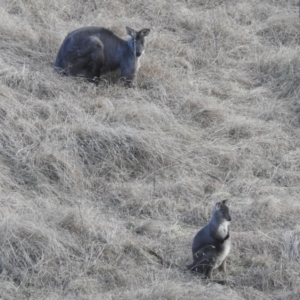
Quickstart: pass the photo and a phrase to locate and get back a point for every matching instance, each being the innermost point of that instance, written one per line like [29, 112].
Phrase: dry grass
[103, 187]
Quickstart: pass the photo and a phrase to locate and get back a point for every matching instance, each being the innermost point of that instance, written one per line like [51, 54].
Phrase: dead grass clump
[285, 178]
[9, 290]
[263, 259]
[227, 164]
[43, 257]
[266, 279]
[208, 117]
[102, 108]
[144, 115]
[108, 151]
[30, 83]
[244, 187]
[271, 111]
[269, 209]
[291, 160]
[239, 132]
[174, 290]
[152, 229]
[281, 29]
[137, 253]
[279, 70]
[19, 167]
[73, 222]
[194, 216]
[24, 247]
[272, 212]
[205, 116]
[271, 148]
[269, 169]
[132, 200]
[144, 201]
[28, 162]
[58, 169]
[286, 295]
[187, 19]
[51, 167]
[291, 245]
[9, 30]
[222, 41]
[151, 77]
[107, 279]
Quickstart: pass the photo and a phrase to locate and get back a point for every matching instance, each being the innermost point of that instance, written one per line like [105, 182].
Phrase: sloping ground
[103, 187]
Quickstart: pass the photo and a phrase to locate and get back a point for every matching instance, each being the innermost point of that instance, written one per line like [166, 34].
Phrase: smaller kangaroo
[92, 51]
[211, 244]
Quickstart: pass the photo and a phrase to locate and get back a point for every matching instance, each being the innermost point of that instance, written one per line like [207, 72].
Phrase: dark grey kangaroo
[212, 244]
[92, 51]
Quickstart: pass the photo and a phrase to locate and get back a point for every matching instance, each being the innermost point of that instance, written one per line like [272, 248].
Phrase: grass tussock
[103, 187]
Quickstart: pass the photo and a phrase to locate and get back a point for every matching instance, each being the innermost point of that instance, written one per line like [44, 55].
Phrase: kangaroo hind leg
[86, 59]
[223, 266]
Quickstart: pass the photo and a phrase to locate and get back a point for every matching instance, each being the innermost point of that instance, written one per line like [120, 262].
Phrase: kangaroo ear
[225, 201]
[218, 205]
[144, 32]
[130, 31]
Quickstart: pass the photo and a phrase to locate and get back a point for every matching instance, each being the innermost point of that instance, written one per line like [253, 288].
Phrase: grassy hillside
[103, 187]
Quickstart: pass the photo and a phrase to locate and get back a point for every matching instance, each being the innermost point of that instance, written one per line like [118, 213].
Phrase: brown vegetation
[103, 187]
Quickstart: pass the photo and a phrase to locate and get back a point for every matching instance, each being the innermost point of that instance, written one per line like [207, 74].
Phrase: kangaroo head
[137, 40]
[222, 211]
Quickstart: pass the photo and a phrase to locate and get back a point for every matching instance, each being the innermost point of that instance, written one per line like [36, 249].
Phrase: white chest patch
[223, 229]
[138, 61]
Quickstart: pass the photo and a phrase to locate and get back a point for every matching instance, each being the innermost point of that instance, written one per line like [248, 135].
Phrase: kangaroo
[91, 51]
[211, 244]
